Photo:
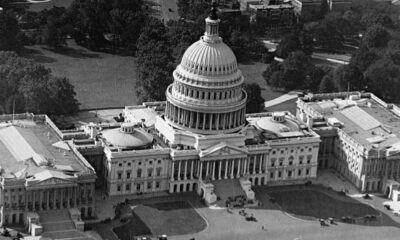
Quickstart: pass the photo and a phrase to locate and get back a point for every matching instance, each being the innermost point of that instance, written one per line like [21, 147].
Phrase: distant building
[40, 171]
[314, 7]
[274, 16]
[360, 137]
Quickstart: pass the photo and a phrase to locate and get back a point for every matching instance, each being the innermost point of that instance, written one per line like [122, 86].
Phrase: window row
[129, 164]
[139, 173]
[290, 173]
[203, 95]
[139, 186]
[210, 83]
[282, 151]
[290, 161]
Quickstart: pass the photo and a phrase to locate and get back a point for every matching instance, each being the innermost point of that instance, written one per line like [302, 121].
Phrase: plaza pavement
[277, 224]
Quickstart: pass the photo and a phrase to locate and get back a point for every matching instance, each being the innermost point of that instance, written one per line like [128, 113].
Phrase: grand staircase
[227, 188]
[57, 224]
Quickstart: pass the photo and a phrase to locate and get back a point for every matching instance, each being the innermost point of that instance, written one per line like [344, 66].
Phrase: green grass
[319, 204]
[170, 218]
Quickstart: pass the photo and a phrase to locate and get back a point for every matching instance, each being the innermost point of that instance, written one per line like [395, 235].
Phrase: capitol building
[201, 134]
[199, 137]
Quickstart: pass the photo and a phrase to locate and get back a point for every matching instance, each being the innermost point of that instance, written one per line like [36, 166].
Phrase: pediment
[223, 150]
[54, 181]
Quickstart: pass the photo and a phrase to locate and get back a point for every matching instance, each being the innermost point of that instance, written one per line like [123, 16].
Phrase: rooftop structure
[360, 136]
[40, 171]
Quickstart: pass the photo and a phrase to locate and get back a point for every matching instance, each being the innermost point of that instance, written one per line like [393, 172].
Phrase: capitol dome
[128, 136]
[207, 95]
[209, 59]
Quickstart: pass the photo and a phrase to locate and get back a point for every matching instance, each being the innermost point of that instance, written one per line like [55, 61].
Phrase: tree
[363, 57]
[288, 44]
[155, 62]
[349, 78]
[376, 37]
[255, 102]
[327, 84]
[383, 78]
[32, 88]
[9, 32]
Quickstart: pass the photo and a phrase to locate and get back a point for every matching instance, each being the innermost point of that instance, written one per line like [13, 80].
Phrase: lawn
[104, 80]
[101, 80]
[318, 204]
[170, 218]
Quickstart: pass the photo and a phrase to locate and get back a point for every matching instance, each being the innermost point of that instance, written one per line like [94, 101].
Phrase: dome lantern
[212, 25]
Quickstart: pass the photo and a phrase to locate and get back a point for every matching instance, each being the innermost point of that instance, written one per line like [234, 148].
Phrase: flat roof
[29, 149]
[365, 120]
[270, 129]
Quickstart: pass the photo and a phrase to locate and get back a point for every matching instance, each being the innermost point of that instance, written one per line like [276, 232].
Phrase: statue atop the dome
[214, 9]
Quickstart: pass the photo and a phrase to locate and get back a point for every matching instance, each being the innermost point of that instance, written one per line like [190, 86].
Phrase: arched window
[139, 173]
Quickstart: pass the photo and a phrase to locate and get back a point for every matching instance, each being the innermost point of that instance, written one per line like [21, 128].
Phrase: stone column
[69, 197]
[201, 171]
[191, 169]
[34, 200]
[173, 170]
[207, 168]
[217, 122]
[213, 171]
[233, 167]
[238, 169]
[245, 166]
[40, 200]
[54, 198]
[62, 198]
[185, 177]
[204, 121]
[226, 169]
[211, 121]
[47, 199]
[179, 170]
[26, 200]
[219, 169]
[75, 197]
[197, 120]
[261, 163]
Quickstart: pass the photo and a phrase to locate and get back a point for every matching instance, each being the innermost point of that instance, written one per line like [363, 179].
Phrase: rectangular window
[299, 172]
[158, 172]
[138, 187]
[128, 174]
[128, 187]
[289, 173]
[119, 188]
[157, 184]
[119, 175]
[309, 157]
[150, 172]
[279, 174]
[307, 171]
[149, 185]
[271, 175]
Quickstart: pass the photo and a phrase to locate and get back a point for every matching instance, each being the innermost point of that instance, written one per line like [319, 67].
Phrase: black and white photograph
[200, 119]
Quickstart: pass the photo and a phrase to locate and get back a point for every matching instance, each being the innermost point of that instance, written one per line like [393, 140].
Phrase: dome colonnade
[207, 95]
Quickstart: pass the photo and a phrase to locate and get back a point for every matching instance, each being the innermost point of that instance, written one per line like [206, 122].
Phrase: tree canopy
[255, 102]
[33, 88]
